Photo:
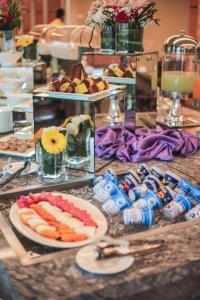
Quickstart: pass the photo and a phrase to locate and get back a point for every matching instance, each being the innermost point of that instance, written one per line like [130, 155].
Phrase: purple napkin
[144, 144]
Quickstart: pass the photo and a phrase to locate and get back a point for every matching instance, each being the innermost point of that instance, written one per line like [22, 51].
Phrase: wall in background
[174, 15]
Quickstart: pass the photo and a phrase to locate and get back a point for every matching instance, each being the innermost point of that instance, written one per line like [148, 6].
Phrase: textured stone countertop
[170, 273]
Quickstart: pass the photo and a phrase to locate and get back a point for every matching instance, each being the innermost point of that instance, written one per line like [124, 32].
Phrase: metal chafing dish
[178, 75]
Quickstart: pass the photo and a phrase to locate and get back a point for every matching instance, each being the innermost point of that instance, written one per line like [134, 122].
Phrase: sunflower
[53, 141]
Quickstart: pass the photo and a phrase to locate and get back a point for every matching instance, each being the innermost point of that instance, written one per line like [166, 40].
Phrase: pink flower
[137, 3]
[3, 4]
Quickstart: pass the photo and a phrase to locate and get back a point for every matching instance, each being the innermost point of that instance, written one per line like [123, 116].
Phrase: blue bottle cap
[184, 201]
[170, 179]
[184, 185]
[194, 195]
[147, 216]
[153, 200]
[118, 196]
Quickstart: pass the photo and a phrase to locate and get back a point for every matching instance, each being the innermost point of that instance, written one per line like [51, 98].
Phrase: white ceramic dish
[78, 202]
[86, 259]
[14, 166]
[73, 96]
[9, 58]
[10, 86]
[29, 153]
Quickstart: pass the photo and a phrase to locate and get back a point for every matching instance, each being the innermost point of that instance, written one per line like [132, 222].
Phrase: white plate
[73, 96]
[29, 153]
[121, 80]
[95, 213]
[14, 166]
[86, 259]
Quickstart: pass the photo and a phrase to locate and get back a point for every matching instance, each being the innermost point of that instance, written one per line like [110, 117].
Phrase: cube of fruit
[86, 82]
[106, 72]
[91, 80]
[77, 81]
[65, 79]
[93, 89]
[131, 71]
[100, 85]
[64, 87]
[106, 84]
[81, 89]
[70, 89]
[97, 79]
[118, 72]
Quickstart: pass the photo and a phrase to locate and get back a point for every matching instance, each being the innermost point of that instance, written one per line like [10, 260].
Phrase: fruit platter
[79, 85]
[124, 72]
[57, 220]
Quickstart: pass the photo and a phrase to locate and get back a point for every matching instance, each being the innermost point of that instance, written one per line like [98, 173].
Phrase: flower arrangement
[108, 12]
[25, 41]
[51, 149]
[28, 43]
[10, 14]
[78, 137]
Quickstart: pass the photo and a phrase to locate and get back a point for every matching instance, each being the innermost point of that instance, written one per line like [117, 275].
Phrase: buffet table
[170, 273]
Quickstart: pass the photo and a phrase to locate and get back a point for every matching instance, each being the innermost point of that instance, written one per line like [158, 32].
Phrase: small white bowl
[10, 86]
[9, 58]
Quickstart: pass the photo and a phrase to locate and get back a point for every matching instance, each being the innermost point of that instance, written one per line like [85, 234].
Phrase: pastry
[79, 83]
[64, 87]
[78, 72]
[81, 89]
[124, 69]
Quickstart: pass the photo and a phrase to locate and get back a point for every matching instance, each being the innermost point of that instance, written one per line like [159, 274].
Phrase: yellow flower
[25, 41]
[53, 141]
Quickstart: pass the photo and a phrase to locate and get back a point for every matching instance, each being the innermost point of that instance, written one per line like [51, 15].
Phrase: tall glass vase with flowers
[10, 19]
[50, 153]
[29, 47]
[127, 18]
[78, 131]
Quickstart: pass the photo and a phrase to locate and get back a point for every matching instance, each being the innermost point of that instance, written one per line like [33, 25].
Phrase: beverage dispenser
[178, 76]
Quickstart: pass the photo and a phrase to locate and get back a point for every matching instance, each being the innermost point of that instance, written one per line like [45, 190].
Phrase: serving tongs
[106, 249]
[7, 179]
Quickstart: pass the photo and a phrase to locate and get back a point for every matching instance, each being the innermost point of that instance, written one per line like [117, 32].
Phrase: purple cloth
[121, 142]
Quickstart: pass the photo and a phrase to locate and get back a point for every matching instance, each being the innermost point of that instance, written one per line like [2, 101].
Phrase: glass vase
[122, 37]
[129, 39]
[30, 54]
[108, 39]
[135, 39]
[51, 166]
[7, 42]
[78, 148]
